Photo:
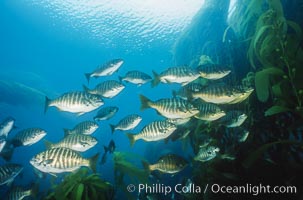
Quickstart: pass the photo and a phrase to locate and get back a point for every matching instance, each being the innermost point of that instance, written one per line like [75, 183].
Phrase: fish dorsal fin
[48, 145]
[66, 132]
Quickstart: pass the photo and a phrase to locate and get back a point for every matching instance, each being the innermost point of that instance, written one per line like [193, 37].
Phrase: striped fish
[170, 108]
[180, 134]
[85, 127]
[8, 172]
[60, 160]
[76, 142]
[181, 74]
[19, 193]
[169, 163]
[127, 123]
[233, 118]
[213, 71]
[106, 69]
[186, 91]
[242, 136]
[178, 121]
[2, 142]
[207, 153]
[223, 94]
[75, 102]
[245, 92]
[208, 111]
[234, 136]
[28, 137]
[204, 140]
[6, 126]
[106, 113]
[136, 77]
[107, 89]
[154, 131]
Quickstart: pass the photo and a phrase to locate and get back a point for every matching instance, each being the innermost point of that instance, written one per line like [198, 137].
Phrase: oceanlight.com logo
[213, 188]
[253, 189]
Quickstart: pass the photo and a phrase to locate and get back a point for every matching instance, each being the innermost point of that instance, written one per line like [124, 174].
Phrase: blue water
[47, 47]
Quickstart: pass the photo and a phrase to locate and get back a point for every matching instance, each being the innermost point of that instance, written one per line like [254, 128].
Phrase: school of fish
[193, 101]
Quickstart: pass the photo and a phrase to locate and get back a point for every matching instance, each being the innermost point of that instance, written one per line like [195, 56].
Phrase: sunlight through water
[109, 22]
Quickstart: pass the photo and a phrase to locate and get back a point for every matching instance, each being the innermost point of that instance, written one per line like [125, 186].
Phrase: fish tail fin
[145, 102]
[106, 149]
[146, 166]
[7, 155]
[191, 160]
[66, 132]
[48, 144]
[34, 190]
[156, 79]
[87, 75]
[174, 93]
[93, 162]
[47, 103]
[112, 128]
[85, 88]
[120, 78]
[131, 138]
[16, 143]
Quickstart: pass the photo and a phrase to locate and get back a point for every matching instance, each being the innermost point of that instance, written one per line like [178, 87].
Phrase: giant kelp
[124, 167]
[275, 51]
[273, 152]
[275, 55]
[243, 17]
[81, 185]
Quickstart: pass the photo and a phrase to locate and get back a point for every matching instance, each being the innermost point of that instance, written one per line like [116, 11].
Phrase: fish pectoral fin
[75, 171]
[158, 112]
[83, 144]
[48, 161]
[80, 113]
[185, 83]
[54, 175]
[10, 181]
[163, 130]
[167, 81]
[182, 109]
